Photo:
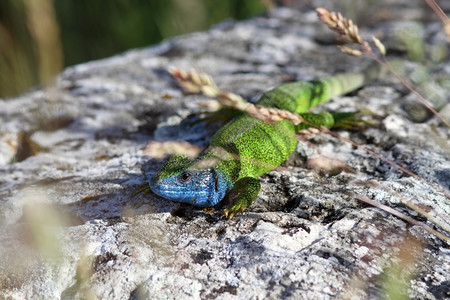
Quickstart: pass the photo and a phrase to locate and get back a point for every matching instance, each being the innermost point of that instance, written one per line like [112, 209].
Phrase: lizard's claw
[230, 212]
[208, 210]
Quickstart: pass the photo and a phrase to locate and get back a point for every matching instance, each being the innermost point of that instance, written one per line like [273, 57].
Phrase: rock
[72, 228]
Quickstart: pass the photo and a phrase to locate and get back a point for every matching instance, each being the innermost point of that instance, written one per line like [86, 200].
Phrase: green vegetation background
[85, 30]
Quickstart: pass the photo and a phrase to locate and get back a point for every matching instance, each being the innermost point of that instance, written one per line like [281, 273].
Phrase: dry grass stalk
[308, 133]
[342, 26]
[194, 82]
[401, 216]
[404, 200]
[349, 31]
[44, 29]
[441, 14]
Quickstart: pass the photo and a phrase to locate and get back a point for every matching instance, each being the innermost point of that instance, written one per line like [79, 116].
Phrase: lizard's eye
[185, 177]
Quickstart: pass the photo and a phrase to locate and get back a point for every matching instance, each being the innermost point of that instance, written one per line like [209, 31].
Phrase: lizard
[246, 147]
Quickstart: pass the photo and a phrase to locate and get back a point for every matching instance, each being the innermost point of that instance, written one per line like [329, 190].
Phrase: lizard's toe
[229, 213]
[143, 188]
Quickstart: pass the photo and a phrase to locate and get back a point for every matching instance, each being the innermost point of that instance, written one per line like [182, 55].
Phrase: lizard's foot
[229, 213]
[236, 208]
[349, 120]
[243, 194]
[208, 210]
[143, 188]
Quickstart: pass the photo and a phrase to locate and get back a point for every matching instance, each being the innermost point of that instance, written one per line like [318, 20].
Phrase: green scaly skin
[246, 148]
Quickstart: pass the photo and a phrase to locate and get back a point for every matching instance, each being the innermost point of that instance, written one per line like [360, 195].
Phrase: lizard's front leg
[242, 195]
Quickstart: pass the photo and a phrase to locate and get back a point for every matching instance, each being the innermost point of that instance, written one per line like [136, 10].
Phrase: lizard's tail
[347, 82]
[302, 95]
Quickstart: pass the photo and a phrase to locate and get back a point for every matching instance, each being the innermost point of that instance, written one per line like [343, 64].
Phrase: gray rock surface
[72, 229]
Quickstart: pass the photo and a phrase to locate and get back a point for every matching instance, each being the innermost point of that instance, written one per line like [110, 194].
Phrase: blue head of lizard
[182, 181]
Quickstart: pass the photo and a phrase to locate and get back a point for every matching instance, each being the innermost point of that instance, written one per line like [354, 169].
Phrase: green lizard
[246, 147]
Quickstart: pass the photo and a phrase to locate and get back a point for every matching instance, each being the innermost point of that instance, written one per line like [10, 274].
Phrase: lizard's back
[258, 147]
